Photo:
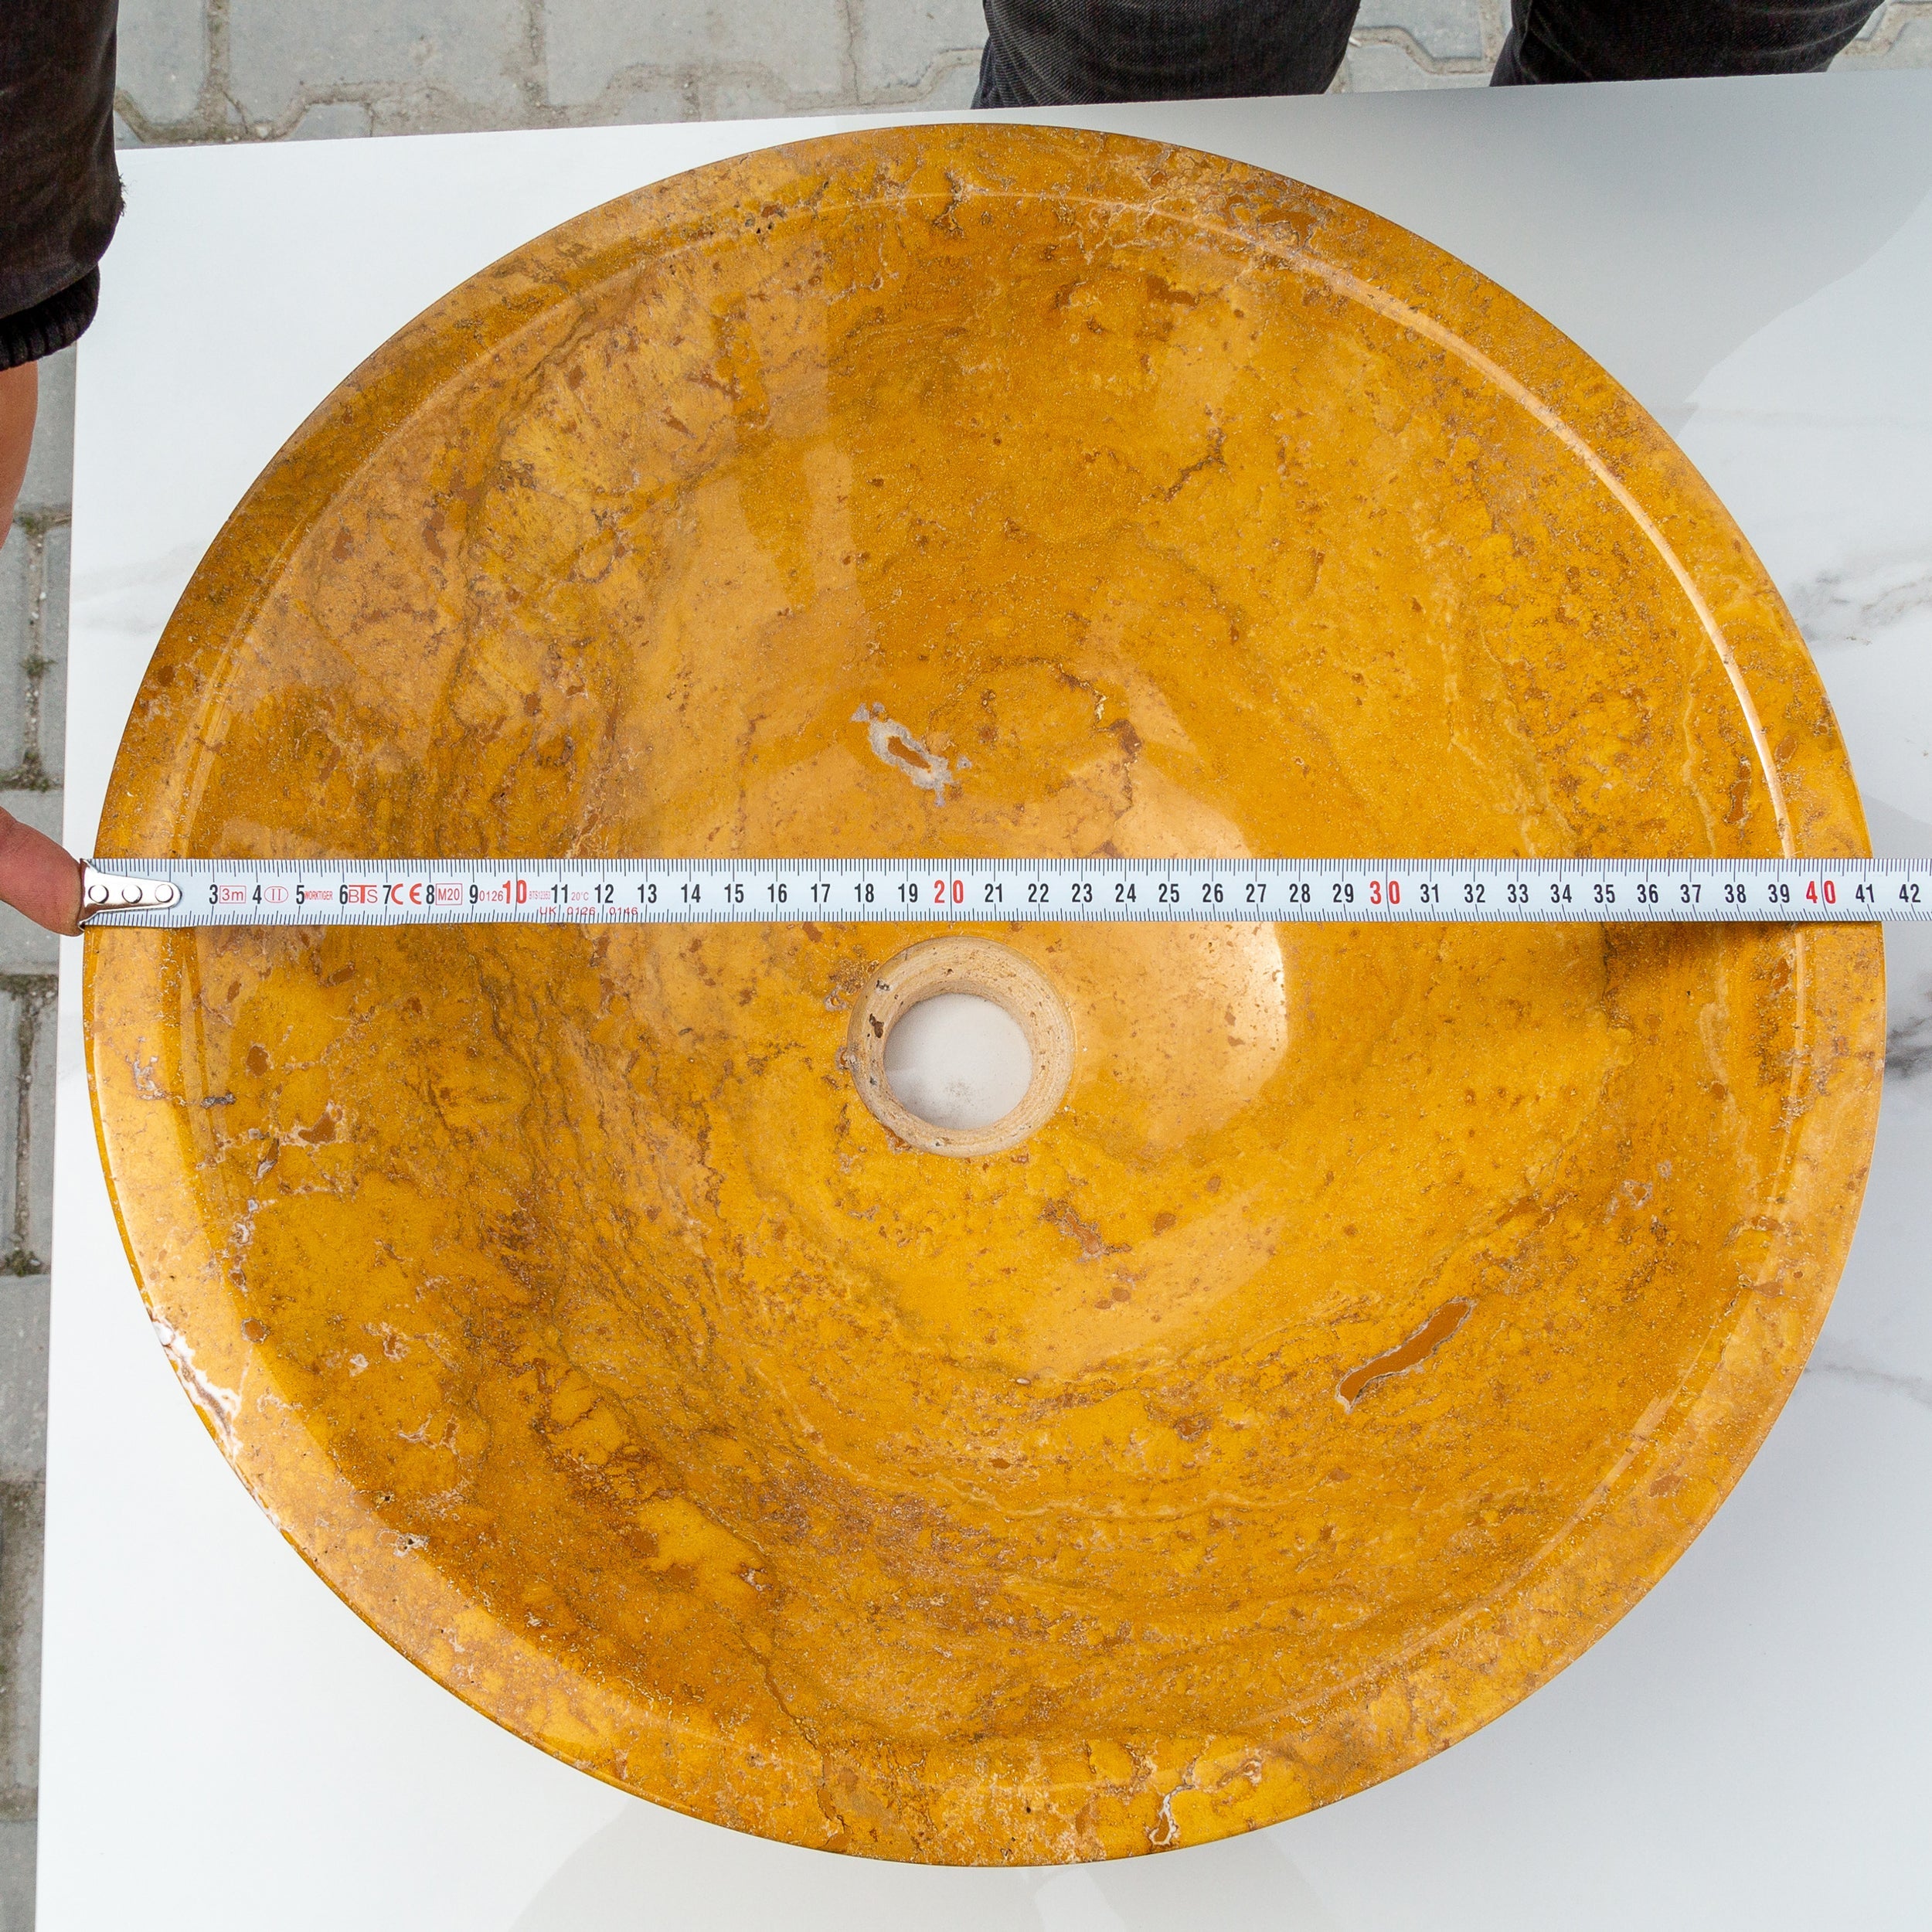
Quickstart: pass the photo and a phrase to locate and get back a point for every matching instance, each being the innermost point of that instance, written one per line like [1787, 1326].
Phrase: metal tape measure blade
[549, 892]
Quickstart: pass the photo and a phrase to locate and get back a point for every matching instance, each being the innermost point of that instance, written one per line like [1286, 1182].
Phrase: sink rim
[1736, 1406]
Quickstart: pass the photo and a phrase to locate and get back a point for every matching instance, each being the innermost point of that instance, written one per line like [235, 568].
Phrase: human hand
[39, 878]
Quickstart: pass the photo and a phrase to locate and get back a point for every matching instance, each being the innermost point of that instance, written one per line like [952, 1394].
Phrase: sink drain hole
[961, 1046]
[957, 1060]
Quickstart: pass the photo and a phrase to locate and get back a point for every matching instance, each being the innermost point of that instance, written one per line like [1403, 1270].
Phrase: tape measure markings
[667, 892]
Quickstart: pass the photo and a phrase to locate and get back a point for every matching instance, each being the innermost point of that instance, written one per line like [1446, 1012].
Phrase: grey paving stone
[904, 47]
[641, 95]
[422, 64]
[1886, 24]
[23, 948]
[19, 569]
[334, 120]
[754, 94]
[794, 52]
[23, 1378]
[50, 643]
[952, 86]
[1374, 67]
[16, 1874]
[162, 57]
[23, 1420]
[14, 1214]
[1445, 29]
[27, 1034]
[36, 1170]
[49, 484]
[1913, 46]
[1897, 36]
[22, 1512]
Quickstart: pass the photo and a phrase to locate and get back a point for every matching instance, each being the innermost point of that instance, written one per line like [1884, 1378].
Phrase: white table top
[226, 1745]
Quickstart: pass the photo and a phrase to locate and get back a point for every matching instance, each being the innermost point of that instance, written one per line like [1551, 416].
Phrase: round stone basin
[1367, 1317]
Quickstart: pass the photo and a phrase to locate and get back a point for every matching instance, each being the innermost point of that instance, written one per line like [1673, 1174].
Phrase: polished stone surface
[1380, 1314]
[175, 63]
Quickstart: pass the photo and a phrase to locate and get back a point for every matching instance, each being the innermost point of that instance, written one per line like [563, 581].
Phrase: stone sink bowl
[1367, 1319]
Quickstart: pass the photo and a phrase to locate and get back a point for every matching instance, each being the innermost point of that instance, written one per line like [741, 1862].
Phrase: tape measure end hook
[113, 892]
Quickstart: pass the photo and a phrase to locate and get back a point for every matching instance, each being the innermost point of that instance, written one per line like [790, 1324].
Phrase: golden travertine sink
[1375, 1315]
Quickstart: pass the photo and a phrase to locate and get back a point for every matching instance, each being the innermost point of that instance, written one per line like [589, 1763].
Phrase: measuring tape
[717, 892]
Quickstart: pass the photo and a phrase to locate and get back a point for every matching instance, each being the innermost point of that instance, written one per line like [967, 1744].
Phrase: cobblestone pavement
[209, 70]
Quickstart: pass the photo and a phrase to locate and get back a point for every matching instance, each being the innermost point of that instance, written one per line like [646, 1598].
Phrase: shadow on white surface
[652, 1871]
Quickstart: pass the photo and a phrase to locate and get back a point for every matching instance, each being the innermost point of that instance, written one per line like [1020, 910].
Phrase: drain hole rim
[959, 964]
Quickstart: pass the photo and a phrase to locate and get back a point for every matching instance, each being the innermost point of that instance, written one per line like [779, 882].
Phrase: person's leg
[1051, 53]
[1565, 40]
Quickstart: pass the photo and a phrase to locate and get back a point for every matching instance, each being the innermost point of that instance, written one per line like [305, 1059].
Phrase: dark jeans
[60, 195]
[1043, 53]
